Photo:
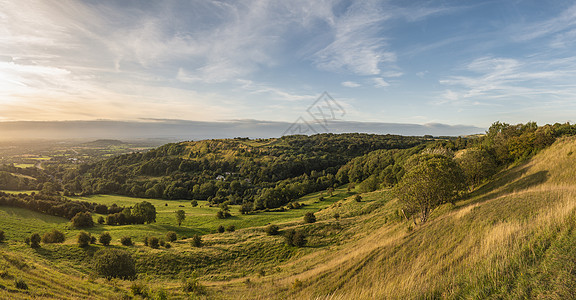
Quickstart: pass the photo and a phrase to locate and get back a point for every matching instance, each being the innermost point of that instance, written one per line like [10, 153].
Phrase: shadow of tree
[508, 182]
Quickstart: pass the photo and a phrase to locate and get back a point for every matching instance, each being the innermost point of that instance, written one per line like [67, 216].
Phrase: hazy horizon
[175, 130]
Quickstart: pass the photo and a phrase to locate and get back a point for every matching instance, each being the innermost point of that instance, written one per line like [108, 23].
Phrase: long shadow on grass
[508, 182]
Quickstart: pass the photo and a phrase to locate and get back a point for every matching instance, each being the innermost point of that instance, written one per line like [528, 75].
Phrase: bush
[20, 284]
[197, 241]
[84, 239]
[223, 214]
[358, 198]
[171, 236]
[35, 240]
[221, 229]
[193, 286]
[114, 263]
[2, 236]
[145, 240]
[273, 229]
[101, 220]
[295, 238]
[194, 203]
[53, 236]
[231, 228]
[309, 217]
[153, 242]
[126, 241]
[167, 245]
[139, 289]
[105, 239]
[82, 220]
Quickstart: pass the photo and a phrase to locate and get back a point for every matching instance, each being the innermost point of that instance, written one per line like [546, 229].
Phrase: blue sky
[418, 62]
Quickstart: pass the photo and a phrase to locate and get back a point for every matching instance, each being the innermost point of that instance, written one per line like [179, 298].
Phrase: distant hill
[104, 143]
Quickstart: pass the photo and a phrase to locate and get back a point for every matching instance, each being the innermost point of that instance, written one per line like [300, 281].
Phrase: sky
[454, 63]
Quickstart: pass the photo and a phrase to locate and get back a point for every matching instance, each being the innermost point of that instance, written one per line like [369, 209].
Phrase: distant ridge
[105, 142]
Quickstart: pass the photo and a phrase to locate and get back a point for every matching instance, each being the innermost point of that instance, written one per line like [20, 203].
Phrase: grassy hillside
[513, 237]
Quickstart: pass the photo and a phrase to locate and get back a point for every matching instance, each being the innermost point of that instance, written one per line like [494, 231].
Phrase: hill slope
[512, 238]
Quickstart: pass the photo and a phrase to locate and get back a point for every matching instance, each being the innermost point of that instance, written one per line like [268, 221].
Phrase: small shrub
[223, 214]
[2, 236]
[126, 241]
[336, 216]
[53, 236]
[321, 198]
[297, 284]
[20, 284]
[82, 220]
[197, 241]
[221, 229]
[309, 217]
[101, 220]
[295, 238]
[171, 236]
[114, 263]
[167, 245]
[92, 239]
[273, 229]
[153, 242]
[162, 243]
[358, 198]
[84, 239]
[105, 239]
[193, 286]
[35, 240]
[146, 240]
[194, 203]
[231, 228]
[139, 289]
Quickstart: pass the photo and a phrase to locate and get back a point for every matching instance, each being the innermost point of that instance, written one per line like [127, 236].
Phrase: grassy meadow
[511, 238]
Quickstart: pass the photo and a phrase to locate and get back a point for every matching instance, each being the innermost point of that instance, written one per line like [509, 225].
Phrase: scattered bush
[221, 229]
[246, 208]
[35, 240]
[105, 239]
[309, 217]
[197, 241]
[114, 263]
[2, 236]
[358, 198]
[126, 241]
[171, 236]
[84, 239]
[53, 236]
[145, 240]
[101, 220]
[153, 242]
[231, 228]
[20, 284]
[92, 239]
[82, 220]
[295, 238]
[273, 229]
[139, 289]
[167, 245]
[193, 286]
[223, 214]
[194, 203]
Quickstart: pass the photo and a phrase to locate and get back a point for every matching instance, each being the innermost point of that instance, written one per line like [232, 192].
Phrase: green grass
[202, 219]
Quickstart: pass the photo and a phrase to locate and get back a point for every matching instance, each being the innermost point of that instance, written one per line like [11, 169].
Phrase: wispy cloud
[496, 78]
[350, 84]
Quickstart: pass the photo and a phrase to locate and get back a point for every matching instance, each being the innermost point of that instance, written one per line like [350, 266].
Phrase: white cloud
[350, 84]
[529, 79]
[380, 82]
